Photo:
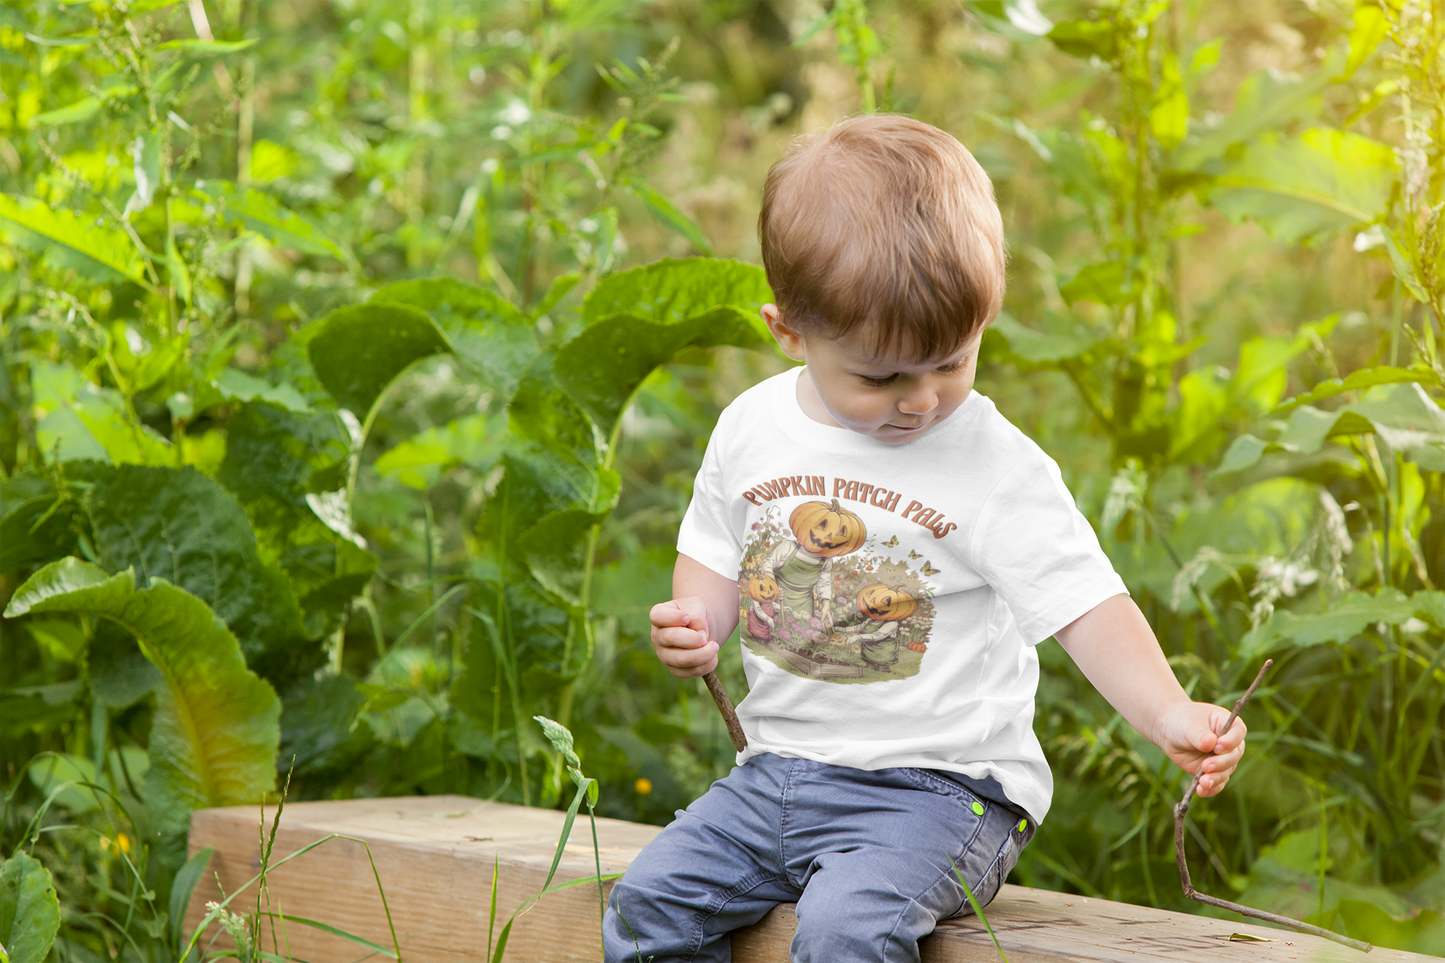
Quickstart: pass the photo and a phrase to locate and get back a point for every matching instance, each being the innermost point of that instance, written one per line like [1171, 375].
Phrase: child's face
[891, 399]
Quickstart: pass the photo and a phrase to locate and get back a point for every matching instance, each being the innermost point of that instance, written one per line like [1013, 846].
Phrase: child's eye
[954, 368]
[879, 382]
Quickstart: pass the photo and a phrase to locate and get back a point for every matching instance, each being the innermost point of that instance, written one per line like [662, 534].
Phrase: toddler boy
[912, 547]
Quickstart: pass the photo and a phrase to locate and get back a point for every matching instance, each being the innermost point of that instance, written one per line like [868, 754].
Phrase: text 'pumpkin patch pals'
[818, 601]
[850, 490]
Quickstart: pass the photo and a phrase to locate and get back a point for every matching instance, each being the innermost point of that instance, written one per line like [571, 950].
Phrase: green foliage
[640, 319]
[1322, 182]
[1344, 598]
[63, 236]
[29, 910]
[214, 734]
[357, 352]
[396, 373]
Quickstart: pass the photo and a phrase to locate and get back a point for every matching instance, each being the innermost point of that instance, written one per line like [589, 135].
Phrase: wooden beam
[435, 856]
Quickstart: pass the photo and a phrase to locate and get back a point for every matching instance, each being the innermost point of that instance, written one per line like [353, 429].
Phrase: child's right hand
[680, 636]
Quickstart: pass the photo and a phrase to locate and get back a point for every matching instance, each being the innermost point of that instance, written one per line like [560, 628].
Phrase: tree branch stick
[1181, 809]
[725, 706]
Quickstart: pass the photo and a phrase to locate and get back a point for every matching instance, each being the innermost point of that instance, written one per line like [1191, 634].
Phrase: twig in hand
[1181, 809]
[725, 706]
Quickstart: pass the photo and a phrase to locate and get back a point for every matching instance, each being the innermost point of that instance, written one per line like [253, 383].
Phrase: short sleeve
[1039, 553]
[709, 533]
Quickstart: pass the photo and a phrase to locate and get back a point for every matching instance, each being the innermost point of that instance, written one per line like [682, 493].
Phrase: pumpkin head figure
[884, 604]
[827, 530]
[762, 588]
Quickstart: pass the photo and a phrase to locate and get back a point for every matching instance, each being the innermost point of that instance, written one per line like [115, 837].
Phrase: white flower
[515, 113]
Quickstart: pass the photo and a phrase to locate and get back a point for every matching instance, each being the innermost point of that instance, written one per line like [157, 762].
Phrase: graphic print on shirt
[819, 602]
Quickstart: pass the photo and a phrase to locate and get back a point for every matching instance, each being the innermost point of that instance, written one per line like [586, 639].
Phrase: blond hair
[887, 224]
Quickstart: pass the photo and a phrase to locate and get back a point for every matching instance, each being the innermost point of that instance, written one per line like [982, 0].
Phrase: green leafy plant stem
[589, 565]
[215, 912]
[977, 909]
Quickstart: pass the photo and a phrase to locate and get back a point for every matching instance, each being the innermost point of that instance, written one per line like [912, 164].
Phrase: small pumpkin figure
[827, 530]
[762, 593]
[884, 604]
[761, 588]
[878, 638]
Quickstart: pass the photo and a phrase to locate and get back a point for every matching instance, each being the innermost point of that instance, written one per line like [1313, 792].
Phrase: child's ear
[789, 339]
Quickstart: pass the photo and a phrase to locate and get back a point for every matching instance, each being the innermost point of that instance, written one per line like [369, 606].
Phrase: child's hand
[1186, 732]
[679, 634]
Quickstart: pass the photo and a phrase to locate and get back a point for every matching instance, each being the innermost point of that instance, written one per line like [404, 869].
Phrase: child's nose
[920, 400]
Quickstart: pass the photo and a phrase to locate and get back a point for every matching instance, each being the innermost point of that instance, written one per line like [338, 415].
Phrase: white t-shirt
[891, 595]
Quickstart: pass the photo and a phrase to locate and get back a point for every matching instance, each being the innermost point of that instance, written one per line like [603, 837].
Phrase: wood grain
[435, 857]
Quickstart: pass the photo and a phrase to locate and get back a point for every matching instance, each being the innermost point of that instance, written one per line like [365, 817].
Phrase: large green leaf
[235, 385]
[120, 674]
[62, 774]
[474, 440]
[1325, 180]
[319, 730]
[675, 289]
[1101, 283]
[79, 420]
[214, 734]
[1407, 419]
[450, 301]
[1169, 114]
[100, 253]
[1265, 101]
[1196, 423]
[639, 319]
[1033, 347]
[358, 351]
[37, 523]
[29, 910]
[82, 109]
[181, 526]
[1342, 621]
[553, 437]
[1261, 378]
[1085, 38]
[261, 213]
[495, 339]
[556, 547]
[272, 453]
[273, 458]
[1369, 29]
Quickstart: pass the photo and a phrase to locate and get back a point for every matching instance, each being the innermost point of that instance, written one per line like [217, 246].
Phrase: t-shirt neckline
[797, 425]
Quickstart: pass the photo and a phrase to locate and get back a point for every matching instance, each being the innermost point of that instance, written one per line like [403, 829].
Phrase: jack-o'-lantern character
[884, 604]
[762, 589]
[762, 593]
[879, 636]
[827, 530]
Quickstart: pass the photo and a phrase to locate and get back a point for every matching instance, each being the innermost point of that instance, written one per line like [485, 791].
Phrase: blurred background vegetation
[229, 362]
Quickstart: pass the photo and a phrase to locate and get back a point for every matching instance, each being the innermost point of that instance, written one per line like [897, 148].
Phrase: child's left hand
[1185, 731]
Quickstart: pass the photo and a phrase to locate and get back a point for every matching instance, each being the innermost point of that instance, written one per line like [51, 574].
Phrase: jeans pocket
[1003, 864]
[999, 845]
[943, 786]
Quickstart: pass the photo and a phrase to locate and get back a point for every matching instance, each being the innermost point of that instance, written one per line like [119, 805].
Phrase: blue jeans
[865, 855]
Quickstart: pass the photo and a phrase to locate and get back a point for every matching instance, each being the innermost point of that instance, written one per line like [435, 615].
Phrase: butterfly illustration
[913, 554]
[892, 542]
[928, 569]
